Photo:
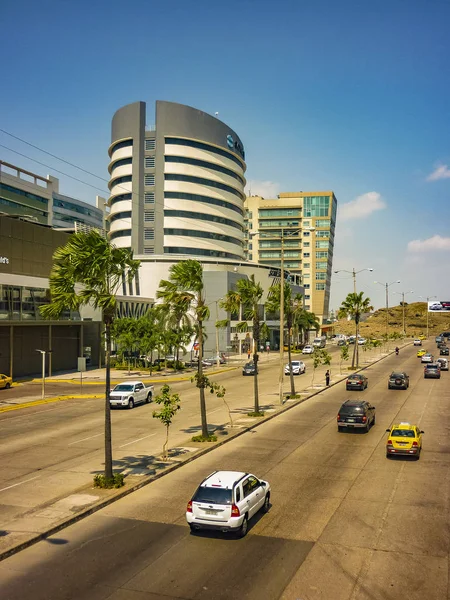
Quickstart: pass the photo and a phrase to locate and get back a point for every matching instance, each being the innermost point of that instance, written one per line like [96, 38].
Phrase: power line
[56, 170]
[53, 156]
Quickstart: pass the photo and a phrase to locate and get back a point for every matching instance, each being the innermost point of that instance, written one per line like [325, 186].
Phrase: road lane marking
[49, 401]
[210, 412]
[84, 439]
[138, 440]
[16, 484]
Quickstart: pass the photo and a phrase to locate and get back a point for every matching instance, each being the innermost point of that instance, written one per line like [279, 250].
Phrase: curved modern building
[177, 189]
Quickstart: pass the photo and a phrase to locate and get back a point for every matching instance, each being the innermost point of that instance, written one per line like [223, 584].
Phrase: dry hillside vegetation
[415, 322]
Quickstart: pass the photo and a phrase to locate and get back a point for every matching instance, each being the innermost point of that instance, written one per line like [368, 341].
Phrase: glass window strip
[125, 214]
[203, 146]
[119, 145]
[29, 195]
[203, 217]
[201, 252]
[203, 234]
[205, 199]
[204, 181]
[205, 164]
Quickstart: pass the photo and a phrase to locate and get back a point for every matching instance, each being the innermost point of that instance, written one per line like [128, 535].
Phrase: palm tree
[89, 270]
[248, 296]
[292, 306]
[354, 306]
[185, 290]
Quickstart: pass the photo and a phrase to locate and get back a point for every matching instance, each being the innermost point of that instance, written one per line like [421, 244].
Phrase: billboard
[439, 306]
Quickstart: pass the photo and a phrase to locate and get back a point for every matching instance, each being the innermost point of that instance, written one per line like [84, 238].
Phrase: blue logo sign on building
[236, 146]
[230, 141]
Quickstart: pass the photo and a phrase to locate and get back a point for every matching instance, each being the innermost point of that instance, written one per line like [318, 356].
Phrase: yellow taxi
[422, 337]
[421, 352]
[404, 439]
[5, 382]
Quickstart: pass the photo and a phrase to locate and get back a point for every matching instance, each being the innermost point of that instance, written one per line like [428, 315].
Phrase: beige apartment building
[307, 222]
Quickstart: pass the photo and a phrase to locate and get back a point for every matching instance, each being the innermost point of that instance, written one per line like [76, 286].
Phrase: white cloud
[436, 242]
[361, 207]
[440, 172]
[266, 189]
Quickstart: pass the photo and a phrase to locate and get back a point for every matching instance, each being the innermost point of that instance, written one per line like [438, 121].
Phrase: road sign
[81, 364]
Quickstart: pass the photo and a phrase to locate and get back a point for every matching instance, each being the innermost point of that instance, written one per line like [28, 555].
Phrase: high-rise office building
[307, 220]
[177, 187]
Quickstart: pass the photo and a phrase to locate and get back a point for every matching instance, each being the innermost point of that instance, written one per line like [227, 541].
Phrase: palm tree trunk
[291, 375]
[200, 382]
[108, 439]
[355, 348]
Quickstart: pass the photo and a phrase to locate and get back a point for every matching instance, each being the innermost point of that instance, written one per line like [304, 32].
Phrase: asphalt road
[345, 522]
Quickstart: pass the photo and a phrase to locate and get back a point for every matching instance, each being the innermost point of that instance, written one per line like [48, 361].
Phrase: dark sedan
[398, 381]
[444, 351]
[357, 381]
[249, 369]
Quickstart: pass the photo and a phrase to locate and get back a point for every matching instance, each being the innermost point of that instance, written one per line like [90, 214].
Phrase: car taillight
[189, 506]
[339, 417]
[415, 444]
[389, 442]
[235, 512]
[364, 419]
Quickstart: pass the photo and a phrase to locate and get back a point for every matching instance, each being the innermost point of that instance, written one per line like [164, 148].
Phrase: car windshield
[397, 376]
[358, 377]
[249, 365]
[351, 409]
[213, 495]
[403, 433]
[123, 387]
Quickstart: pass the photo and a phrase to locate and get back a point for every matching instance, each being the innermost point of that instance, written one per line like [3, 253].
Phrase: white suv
[308, 350]
[226, 500]
[298, 367]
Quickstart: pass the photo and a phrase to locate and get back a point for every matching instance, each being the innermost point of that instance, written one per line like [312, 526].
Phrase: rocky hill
[415, 322]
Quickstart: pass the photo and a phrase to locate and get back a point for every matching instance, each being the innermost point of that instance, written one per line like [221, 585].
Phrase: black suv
[356, 414]
[398, 381]
[249, 369]
[444, 351]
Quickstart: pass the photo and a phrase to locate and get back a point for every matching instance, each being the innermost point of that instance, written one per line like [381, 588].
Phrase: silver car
[298, 367]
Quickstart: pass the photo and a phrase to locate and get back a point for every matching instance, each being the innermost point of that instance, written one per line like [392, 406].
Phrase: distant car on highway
[422, 337]
[5, 381]
[249, 369]
[404, 439]
[438, 339]
[417, 342]
[226, 501]
[398, 381]
[436, 306]
[421, 352]
[432, 371]
[356, 414]
[356, 381]
[444, 351]
[427, 358]
[308, 350]
[298, 367]
[130, 393]
[362, 341]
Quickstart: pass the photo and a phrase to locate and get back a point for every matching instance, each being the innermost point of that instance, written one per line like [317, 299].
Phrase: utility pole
[428, 298]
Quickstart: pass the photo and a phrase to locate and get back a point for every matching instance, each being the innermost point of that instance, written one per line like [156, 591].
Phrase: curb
[201, 452]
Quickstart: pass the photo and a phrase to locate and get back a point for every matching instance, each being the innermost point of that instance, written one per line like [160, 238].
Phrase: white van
[319, 342]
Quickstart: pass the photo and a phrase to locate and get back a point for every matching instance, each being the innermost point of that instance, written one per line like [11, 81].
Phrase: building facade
[307, 220]
[36, 198]
[178, 188]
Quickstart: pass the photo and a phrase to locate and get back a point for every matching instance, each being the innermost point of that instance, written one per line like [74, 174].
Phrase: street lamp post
[428, 298]
[403, 294]
[354, 273]
[387, 302]
[43, 352]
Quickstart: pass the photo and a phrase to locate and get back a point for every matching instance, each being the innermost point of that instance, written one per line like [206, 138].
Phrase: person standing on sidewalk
[327, 378]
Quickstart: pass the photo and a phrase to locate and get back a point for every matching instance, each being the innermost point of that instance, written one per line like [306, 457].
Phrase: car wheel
[192, 528]
[340, 429]
[7, 386]
[266, 504]
[130, 403]
[149, 398]
[389, 387]
[367, 427]
[243, 529]
[373, 421]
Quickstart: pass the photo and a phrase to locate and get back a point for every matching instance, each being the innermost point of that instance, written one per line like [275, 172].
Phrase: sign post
[81, 368]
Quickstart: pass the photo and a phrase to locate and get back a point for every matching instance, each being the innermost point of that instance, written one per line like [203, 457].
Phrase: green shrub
[117, 481]
[255, 414]
[200, 438]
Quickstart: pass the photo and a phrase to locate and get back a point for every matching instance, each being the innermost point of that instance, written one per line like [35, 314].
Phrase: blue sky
[342, 96]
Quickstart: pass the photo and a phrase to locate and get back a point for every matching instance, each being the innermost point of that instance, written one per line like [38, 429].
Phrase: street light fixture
[354, 273]
[428, 298]
[403, 294]
[387, 302]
